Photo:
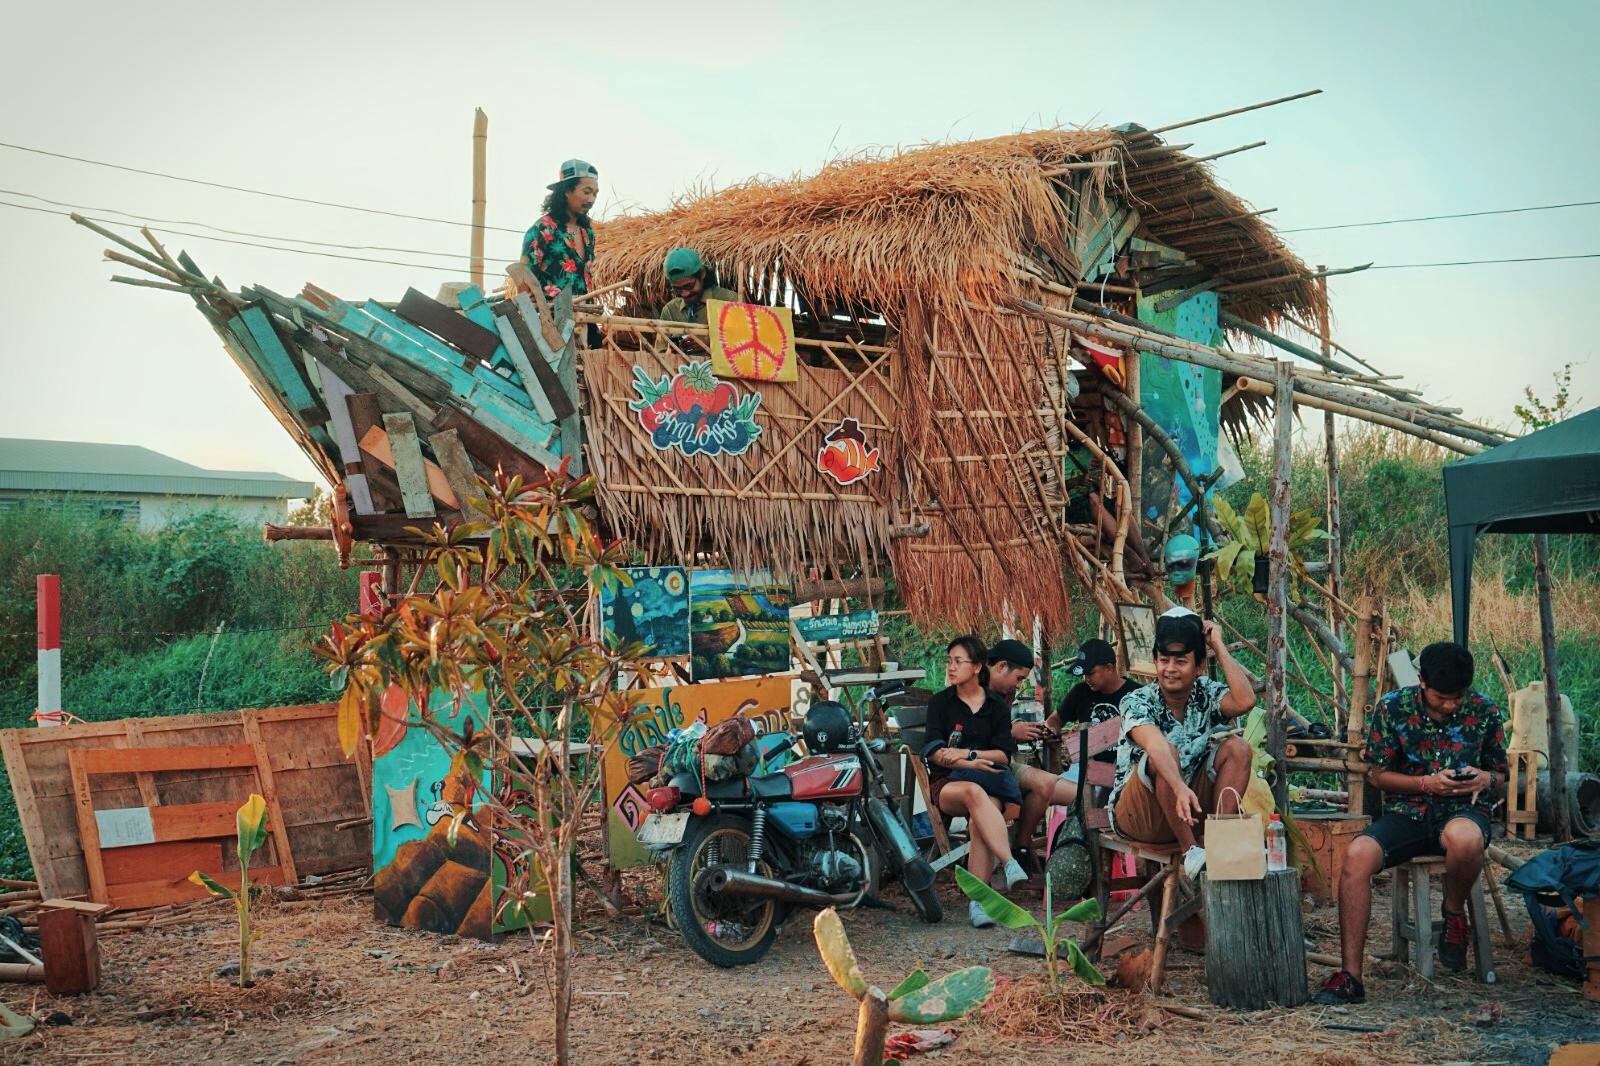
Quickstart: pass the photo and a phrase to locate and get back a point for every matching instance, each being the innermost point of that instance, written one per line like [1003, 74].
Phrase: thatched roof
[953, 218]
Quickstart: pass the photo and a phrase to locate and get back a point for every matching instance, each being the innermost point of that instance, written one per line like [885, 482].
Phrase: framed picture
[1136, 625]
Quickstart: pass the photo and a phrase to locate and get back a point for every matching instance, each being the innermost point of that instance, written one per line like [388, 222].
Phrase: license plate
[664, 828]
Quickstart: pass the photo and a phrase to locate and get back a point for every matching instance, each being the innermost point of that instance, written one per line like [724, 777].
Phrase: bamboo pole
[1335, 528]
[1220, 114]
[1207, 223]
[1360, 695]
[1552, 690]
[1278, 577]
[1439, 437]
[1180, 465]
[1190, 161]
[480, 194]
[1135, 431]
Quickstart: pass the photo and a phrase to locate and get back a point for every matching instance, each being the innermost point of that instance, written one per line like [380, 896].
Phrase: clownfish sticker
[845, 455]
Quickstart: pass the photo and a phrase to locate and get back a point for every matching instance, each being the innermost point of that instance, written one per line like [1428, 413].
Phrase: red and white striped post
[371, 599]
[49, 595]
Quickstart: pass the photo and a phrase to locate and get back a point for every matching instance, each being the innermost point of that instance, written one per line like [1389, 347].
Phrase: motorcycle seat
[689, 785]
[772, 787]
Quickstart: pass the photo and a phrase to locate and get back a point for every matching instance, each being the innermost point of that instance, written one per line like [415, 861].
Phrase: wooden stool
[1522, 784]
[1411, 918]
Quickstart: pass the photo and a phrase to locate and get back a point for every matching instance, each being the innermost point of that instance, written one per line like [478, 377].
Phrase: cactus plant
[251, 823]
[1012, 916]
[916, 999]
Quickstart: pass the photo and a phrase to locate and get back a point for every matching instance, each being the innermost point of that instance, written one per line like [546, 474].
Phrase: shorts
[1138, 816]
[936, 788]
[1403, 839]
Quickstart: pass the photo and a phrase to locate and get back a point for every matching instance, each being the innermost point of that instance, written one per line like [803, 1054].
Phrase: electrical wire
[1483, 262]
[252, 192]
[1438, 218]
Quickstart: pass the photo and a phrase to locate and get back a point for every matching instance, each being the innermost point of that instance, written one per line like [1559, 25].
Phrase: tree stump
[1255, 942]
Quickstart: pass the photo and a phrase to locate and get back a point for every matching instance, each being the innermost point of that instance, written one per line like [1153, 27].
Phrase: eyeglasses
[958, 662]
[683, 288]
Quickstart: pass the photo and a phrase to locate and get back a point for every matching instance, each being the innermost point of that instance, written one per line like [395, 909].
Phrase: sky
[1427, 108]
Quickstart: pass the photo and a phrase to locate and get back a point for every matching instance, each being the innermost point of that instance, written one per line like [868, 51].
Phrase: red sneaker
[1453, 946]
[1340, 989]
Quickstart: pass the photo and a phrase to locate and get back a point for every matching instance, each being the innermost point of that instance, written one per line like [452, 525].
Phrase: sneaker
[979, 917]
[1453, 946]
[1340, 989]
[1015, 874]
[1194, 860]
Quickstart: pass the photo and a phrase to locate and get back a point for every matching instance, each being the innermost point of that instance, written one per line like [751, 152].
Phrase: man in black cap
[1169, 773]
[1098, 694]
[1010, 663]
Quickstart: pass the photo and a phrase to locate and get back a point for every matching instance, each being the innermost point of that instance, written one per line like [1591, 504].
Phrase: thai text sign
[852, 626]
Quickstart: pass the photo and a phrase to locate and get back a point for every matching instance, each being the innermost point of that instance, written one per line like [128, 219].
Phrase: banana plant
[251, 823]
[916, 999]
[1012, 916]
[1250, 535]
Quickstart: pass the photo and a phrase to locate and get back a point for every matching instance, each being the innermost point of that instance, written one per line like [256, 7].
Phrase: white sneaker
[1194, 860]
[979, 917]
[1015, 874]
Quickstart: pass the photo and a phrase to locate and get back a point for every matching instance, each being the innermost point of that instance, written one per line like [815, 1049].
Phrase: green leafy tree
[1537, 414]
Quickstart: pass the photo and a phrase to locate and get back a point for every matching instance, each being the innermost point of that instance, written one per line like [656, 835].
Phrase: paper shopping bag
[1236, 847]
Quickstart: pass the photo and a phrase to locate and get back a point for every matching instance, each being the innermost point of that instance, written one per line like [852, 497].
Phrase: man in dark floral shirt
[560, 246]
[1438, 752]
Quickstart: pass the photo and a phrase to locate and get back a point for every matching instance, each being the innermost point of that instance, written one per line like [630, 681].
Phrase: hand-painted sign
[852, 626]
[845, 455]
[738, 624]
[752, 341]
[694, 412]
[656, 713]
[653, 610]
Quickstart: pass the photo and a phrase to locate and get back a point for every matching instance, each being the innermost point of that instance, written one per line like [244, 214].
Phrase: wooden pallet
[1522, 790]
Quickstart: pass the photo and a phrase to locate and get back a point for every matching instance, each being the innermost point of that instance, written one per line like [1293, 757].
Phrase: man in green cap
[686, 277]
[560, 246]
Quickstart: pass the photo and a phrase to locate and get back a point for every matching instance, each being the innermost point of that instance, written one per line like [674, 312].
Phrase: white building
[144, 487]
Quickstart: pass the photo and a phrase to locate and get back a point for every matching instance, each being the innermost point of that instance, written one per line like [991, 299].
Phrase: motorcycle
[816, 831]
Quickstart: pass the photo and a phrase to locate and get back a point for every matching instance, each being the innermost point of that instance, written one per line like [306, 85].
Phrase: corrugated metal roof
[81, 466]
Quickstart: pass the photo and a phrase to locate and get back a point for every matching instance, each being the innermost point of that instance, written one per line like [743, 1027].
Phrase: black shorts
[1403, 839]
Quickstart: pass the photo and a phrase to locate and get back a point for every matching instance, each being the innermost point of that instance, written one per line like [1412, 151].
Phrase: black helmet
[827, 727]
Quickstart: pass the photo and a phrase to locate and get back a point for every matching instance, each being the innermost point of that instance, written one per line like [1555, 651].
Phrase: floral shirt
[1405, 738]
[1191, 736]
[553, 254]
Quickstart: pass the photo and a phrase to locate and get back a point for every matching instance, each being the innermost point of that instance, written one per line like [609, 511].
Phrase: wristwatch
[972, 754]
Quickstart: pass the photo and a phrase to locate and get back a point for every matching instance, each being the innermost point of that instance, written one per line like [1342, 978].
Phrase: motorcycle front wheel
[724, 930]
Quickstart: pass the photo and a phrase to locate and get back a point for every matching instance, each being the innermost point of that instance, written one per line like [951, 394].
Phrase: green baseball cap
[575, 168]
[681, 263]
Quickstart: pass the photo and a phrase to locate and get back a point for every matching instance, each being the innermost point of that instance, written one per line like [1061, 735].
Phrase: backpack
[1565, 873]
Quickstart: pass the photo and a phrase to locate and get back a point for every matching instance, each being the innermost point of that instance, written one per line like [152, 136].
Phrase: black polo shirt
[989, 728]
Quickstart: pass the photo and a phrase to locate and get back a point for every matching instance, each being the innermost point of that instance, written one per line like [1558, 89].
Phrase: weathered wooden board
[448, 325]
[558, 401]
[365, 416]
[457, 467]
[406, 457]
[379, 442]
[316, 786]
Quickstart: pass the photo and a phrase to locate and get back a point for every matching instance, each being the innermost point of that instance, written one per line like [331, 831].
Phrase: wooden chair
[1411, 925]
[1160, 865]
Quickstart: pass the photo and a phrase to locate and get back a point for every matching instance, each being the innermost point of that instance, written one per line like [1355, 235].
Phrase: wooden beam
[1279, 576]
[457, 467]
[448, 324]
[406, 457]
[365, 417]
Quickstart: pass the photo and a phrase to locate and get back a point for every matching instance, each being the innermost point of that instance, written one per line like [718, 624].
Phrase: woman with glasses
[689, 279]
[969, 752]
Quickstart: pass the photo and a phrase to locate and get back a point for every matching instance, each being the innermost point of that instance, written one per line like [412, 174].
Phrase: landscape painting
[653, 611]
[738, 624]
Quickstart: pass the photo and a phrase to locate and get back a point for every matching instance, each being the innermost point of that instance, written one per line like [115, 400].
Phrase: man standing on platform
[1438, 753]
[1169, 775]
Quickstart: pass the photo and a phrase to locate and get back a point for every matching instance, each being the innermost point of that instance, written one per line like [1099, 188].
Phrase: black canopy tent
[1545, 482]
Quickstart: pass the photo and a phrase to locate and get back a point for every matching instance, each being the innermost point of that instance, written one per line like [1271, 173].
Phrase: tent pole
[1335, 530]
[1278, 579]
[1552, 691]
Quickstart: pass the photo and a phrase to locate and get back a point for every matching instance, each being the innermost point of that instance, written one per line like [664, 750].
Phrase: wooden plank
[147, 783]
[521, 341]
[448, 325]
[132, 760]
[490, 449]
[439, 352]
[285, 374]
[365, 416]
[88, 827]
[406, 457]
[380, 443]
[269, 792]
[191, 821]
[571, 425]
[457, 467]
[163, 890]
[22, 792]
[334, 391]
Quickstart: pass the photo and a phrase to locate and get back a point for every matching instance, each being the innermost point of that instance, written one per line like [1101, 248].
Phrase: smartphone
[1464, 775]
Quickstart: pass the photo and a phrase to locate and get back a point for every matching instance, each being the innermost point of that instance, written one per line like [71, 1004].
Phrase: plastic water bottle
[1277, 845]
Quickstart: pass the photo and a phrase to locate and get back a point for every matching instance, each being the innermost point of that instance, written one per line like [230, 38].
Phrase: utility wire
[252, 192]
[235, 232]
[1482, 262]
[1437, 218]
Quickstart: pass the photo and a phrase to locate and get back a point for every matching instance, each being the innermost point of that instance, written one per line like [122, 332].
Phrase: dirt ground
[346, 989]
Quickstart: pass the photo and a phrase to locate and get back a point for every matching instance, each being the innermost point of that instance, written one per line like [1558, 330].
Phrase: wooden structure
[178, 781]
[1255, 942]
[1522, 794]
[1327, 835]
[68, 942]
[1411, 925]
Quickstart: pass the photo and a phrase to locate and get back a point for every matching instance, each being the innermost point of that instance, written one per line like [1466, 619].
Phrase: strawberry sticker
[694, 412]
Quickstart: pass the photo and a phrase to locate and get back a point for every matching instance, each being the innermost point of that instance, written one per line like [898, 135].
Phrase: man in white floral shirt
[1169, 775]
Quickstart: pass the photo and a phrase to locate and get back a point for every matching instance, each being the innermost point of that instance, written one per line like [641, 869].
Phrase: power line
[1483, 262]
[252, 192]
[248, 244]
[237, 233]
[1437, 218]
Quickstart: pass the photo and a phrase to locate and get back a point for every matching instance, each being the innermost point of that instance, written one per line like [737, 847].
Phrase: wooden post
[480, 194]
[48, 589]
[1552, 691]
[872, 1027]
[1360, 696]
[1255, 942]
[1135, 436]
[1335, 527]
[1278, 578]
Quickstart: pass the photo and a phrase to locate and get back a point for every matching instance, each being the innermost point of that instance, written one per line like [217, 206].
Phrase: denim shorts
[1403, 839]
